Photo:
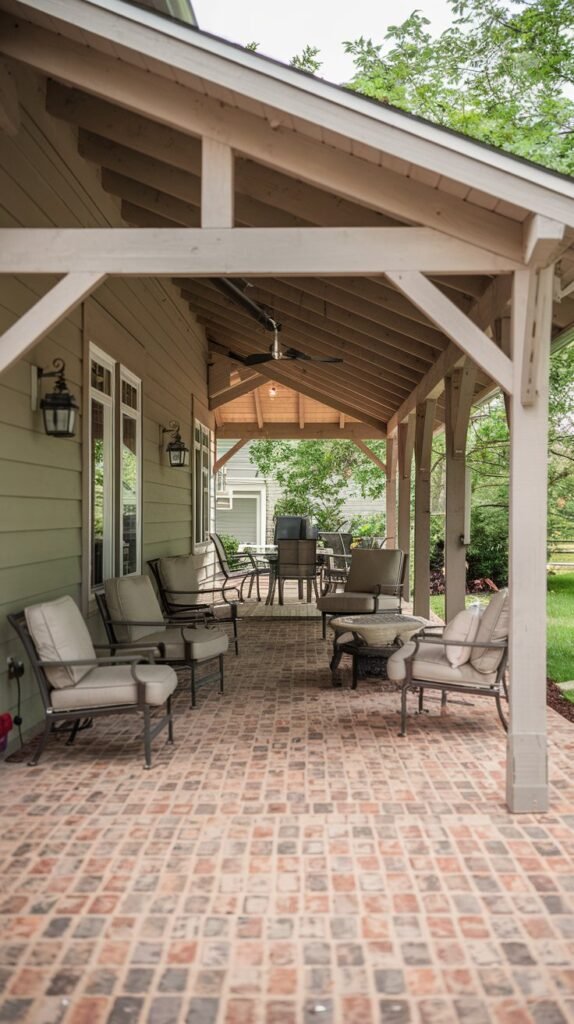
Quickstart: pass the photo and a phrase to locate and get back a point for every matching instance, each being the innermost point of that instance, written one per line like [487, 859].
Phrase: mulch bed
[558, 702]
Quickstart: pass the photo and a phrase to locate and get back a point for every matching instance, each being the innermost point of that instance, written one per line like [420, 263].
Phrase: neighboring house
[245, 502]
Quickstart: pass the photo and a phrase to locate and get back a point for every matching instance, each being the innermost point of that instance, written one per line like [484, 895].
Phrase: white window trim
[200, 546]
[134, 414]
[114, 410]
[107, 401]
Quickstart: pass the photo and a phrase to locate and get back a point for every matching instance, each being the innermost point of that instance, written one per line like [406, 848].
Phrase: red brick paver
[290, 861]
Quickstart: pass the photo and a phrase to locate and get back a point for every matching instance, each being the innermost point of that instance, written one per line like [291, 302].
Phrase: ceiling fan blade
[258, 357]
[293, 353]
[252, 360]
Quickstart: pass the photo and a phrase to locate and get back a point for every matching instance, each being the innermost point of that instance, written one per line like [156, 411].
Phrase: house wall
[240, 470]
[140, 323]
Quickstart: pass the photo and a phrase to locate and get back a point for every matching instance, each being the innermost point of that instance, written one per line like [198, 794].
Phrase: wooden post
[216, 184]
[406, 440]
[459, 389]
[391, 493]
[527, 769]
[423, 450]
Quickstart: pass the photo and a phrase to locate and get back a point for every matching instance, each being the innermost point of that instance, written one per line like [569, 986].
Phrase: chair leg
[251, 578]
[443, 699]
[421, 699]
[41, 743]
[169, 720]
[234, 624]
[324, 625]
[147, 737]
[308, 591]
[192, 673]
[72, 735]
[403, 731]
[355, 671]
[281, 590]
[221, 689]
[257, 587]
[501, 714]
[300, 589]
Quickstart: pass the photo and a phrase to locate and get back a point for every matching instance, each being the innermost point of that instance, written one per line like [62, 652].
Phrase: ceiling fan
[276, 350]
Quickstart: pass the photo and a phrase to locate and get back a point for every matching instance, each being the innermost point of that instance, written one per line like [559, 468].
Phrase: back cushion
[60, 634]
[371, 569]
[179, 572]
[463, 627]
[493, 626]
[133, 599]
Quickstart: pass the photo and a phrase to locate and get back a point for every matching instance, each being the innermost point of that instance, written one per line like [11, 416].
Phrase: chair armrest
[440, 641]
[111, 660]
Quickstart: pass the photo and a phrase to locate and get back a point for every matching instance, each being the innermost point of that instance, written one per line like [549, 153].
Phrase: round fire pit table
[370, 640]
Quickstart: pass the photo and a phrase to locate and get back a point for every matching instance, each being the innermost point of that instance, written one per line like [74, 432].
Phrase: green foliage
[560, 632]
[252, 46]
[314, 476]
[307, 60]
[368, 526]
[231, 545]
[498, 74]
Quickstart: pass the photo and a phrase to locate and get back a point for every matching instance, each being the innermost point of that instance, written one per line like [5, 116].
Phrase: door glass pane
[198, 528]
[97, 488]
[129, 496]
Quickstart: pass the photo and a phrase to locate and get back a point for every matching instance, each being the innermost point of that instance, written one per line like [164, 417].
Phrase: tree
[498, 74]
[307, 60]
[315, 476]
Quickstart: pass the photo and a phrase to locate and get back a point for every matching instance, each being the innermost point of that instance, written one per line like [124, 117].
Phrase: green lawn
[560, 624]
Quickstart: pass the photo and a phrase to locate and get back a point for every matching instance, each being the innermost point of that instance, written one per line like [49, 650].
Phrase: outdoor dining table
[271, 558]
[370, 640]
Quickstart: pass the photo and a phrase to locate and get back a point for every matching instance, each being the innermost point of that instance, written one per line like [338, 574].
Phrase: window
[201, 483]
[115, 469]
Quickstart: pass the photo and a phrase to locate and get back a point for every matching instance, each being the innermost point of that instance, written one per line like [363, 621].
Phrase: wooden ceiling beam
[367, 363]
[319, 390]
[292, 432]
[258, 409]
[242, 339]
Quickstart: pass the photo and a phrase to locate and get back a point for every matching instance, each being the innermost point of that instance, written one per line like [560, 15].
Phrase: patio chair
[181, 596]
[75, 683]
[336, 568]
[245, 567]
[296, 560]
[469, 657]
[132, 618]
[375, 584]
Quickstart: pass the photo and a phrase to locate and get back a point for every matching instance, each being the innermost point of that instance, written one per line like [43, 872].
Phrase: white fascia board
[283, 88]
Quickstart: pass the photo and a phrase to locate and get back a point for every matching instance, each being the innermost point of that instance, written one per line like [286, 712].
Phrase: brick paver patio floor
[289, 860]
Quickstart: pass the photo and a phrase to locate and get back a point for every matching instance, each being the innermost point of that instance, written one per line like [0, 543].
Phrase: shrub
[231, 545]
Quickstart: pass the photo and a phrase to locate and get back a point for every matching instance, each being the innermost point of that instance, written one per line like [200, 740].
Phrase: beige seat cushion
[337, 604]
[133, 599]
[203, 643]
[372, 568]
[60, 634]
[114, 685]
[493, 626]
[463, 627]
[179, 572]
[431, 665]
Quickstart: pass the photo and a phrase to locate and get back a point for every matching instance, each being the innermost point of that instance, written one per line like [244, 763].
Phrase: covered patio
[290, 859]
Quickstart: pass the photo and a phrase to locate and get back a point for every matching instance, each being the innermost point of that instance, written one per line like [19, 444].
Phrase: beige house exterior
[140, 160]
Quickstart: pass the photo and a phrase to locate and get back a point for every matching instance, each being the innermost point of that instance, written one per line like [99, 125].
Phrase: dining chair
[296, 560]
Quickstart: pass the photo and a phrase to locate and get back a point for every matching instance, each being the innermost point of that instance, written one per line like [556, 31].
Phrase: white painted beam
[458, 403]
[405, 445]
[292, 431]
[364, 448]
[45, 315]
[423, 450]
[267, 252]
[244, 387]
[469, 338]
[391, 493]
[543, 240]
[538, 317]
[217, 190]
[527, 767]
[221, 462]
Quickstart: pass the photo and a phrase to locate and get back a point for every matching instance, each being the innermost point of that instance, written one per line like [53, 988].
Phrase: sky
[282, 30]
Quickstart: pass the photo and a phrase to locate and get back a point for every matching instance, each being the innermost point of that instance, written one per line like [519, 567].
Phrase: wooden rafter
[258, 410]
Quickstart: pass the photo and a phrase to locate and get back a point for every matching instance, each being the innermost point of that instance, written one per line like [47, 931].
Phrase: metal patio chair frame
[52, 716]
[174, 611]
[235, 579]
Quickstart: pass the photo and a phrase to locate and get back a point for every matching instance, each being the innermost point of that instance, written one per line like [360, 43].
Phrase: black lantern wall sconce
[176, 449]
[59, 407]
